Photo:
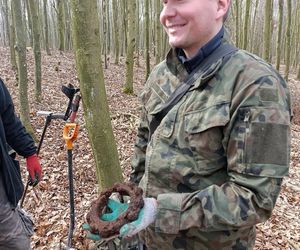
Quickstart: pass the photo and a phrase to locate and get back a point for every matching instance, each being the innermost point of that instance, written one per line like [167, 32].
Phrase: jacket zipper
[247, 130]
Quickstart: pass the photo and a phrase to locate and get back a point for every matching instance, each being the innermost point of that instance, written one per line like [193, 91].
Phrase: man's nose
[169, 10]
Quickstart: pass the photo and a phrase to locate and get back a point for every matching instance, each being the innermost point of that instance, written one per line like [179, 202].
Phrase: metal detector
[70, 92]
[70, 133]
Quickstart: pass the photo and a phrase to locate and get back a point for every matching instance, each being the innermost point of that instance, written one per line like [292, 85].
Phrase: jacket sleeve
[15, 133]
[257, 145]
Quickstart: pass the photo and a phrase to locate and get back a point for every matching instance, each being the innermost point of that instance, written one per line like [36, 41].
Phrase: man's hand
[117, 208]
[34, 169]
[146, 216]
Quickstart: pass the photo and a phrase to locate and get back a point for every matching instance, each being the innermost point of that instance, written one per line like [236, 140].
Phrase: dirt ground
[49, 202]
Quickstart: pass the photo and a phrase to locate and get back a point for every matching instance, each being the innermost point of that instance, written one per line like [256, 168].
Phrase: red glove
[34, 169]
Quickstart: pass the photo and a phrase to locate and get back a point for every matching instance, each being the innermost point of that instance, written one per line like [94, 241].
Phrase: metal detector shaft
[71, 196]
[24, 194]
[70, 134]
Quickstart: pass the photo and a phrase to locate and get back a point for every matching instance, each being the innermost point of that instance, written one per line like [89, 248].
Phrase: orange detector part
[70, 134]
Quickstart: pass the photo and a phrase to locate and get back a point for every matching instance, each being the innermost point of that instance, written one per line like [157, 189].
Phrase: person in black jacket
[15, 231]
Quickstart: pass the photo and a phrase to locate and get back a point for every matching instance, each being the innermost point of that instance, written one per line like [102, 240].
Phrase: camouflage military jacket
[216, 161]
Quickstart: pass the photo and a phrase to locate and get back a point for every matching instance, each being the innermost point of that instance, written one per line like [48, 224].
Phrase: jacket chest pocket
[204, 131]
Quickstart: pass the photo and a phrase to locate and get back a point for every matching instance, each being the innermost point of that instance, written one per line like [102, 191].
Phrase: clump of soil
[107, 229]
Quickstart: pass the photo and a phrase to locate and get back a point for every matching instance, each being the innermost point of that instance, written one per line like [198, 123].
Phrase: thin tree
[158, 42]
[253, 25]
[288, 40]
[147, 37]
[22, 66]
[295, 46]
[298, 39]
[29, 22]
[279, 34]
[5, 12]
[298, 75]
[61, 24]
[128, 88]
[246, 24]
[124, 24]
[108, 27]
[36, 49]
[88, 60]
[237, 23]
[67, 25]
[46, 28]
[267, 30]
[11, 34]
[104, 21]
[137, 33]
[116, 31]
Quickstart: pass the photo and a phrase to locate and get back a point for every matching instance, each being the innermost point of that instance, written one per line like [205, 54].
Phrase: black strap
[224, 50]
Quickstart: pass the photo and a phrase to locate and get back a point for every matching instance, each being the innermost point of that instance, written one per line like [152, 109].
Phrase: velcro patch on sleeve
[268, 144]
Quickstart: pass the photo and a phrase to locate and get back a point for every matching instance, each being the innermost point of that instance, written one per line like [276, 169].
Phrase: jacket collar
[181, 67]
[203, 52]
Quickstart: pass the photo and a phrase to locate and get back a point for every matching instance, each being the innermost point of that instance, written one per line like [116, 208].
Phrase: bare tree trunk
[46, 30]
[11, 34]
[108, 28]
[267, 30]
[88, 60]
[30, 37]
[61, 24]
[104, 21]
[237, 23]
[288, 40]
[279, 36]
[125, 22]
[157, 32]
[165, 44]
[116, 31]
[130, 47]
[36, 49]
[137, 33]
[67, 21]
[22, 66]
[295, 46]
[5, 12]
[298, 39]
[246, 24]
[253, 26]
[147, 34]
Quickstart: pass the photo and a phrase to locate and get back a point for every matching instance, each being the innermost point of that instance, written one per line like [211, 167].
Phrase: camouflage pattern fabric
[216, 161]
[118, 243]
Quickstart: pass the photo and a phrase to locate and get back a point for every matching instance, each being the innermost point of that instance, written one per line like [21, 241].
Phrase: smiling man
[192, 24]
[213, 142]
[214, 154]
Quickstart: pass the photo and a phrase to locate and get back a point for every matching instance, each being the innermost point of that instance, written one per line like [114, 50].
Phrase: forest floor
[49, 203]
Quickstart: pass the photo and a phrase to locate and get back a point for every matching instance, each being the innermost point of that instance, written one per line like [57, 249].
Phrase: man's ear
[223, 8]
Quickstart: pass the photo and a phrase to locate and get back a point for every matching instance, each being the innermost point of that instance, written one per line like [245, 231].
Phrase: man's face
[190, 24]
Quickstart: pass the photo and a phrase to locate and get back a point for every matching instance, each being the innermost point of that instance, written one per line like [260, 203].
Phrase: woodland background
[107, 48]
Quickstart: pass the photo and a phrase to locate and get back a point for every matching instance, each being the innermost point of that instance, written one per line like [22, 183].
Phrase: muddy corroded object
[107, 229]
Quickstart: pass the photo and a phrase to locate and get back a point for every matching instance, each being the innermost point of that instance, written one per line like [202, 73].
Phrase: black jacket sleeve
[13, 131]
